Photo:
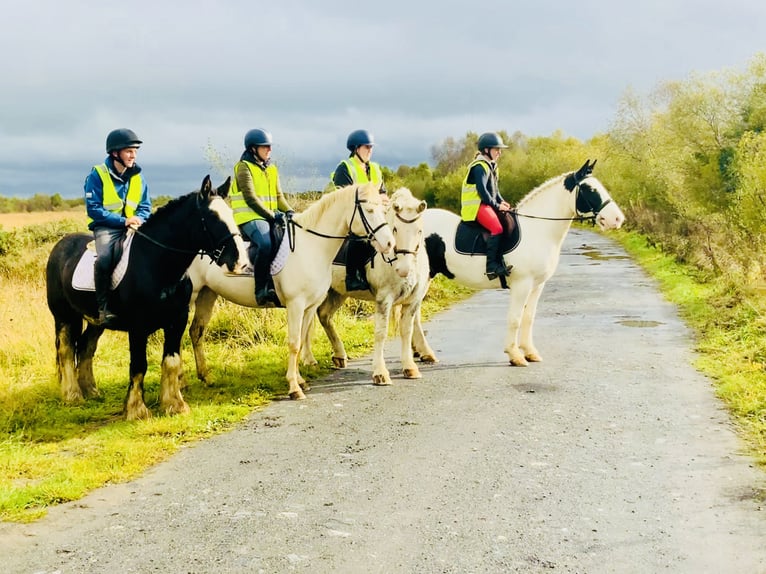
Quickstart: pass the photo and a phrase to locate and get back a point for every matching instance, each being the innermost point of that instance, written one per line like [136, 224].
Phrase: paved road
[612, 456]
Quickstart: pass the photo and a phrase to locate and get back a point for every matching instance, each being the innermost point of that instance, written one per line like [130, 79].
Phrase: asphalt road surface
[611, 456]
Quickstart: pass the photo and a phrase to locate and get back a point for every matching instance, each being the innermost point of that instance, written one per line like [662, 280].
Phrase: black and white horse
[153, 294]
[544, 217]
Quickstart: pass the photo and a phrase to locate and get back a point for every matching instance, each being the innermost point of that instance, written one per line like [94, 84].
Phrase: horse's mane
[536, 191]
[403, 193]
[315, 212]
[159, 216]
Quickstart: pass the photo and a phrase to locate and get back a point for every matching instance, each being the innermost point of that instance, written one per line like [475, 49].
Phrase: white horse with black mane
[403, 281]
[302, 270]
[543, 218]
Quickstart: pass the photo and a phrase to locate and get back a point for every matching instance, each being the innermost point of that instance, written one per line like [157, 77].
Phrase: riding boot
[103, 280]
[495, 263]
[265, 296]
[356, 279]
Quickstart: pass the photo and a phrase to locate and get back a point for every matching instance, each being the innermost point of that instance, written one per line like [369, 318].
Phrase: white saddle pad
[281, 257]
[83, 280]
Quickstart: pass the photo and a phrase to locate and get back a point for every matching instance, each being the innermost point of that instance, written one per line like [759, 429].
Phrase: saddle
[471, 238]
[363, 252]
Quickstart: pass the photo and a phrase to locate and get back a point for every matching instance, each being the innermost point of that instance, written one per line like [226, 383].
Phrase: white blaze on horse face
[611, 216]
[225, 214]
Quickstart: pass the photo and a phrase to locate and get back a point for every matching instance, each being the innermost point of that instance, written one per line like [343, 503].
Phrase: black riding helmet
[490, 140]
[358, 138]
[121, 139]
[257, 137]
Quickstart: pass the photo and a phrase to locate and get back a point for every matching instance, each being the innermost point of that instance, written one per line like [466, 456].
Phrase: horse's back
[60, 268]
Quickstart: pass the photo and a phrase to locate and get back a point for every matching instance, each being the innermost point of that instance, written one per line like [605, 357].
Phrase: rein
[579, 217]
[292, 224]
[215, 254]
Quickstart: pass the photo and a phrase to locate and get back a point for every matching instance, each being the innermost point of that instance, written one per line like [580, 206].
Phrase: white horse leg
[527, 322]
[65, 363]
[171, 400]
[420, 344]
[307, 354]
[518, 299]
[325, 312]
[295, 312]
[135, 407]
[406, 321]
[203, 311]
[380, 374]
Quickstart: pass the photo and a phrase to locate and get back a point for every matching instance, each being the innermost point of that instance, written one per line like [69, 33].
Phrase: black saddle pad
[355, 250]
[471, 238]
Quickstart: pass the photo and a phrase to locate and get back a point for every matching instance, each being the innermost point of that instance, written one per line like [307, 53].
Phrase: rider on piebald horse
[481, 200]
[258, 203]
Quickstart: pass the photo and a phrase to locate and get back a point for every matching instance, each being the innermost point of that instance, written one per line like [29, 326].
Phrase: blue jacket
[94, 198]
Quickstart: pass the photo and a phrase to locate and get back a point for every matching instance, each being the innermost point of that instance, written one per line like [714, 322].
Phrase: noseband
[400, 251]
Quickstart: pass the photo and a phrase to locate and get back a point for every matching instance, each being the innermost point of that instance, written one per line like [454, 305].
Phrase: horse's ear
[206, 188]
[396, 206]
[223, 189]
[422, 206]
[585, 170]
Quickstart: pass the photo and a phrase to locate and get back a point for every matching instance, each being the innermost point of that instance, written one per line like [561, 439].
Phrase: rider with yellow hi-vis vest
[116, 197]
[358, 168]
[258, 202]
[481, 201]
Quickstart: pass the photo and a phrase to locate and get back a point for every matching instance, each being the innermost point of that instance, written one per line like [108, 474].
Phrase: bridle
[590, 208]
[215, 252]
[397, 249]
[370, 231]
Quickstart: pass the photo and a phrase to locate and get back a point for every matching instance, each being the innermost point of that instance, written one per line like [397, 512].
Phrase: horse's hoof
[533, 358]
[141, 414]
[178, 409]
[339, 362]
[429, 359]
[412, 373]
[305, 386]
[297, 395]
[519, 363]
[381, 380]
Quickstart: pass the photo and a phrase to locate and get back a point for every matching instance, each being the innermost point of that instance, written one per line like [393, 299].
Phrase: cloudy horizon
[193, 77]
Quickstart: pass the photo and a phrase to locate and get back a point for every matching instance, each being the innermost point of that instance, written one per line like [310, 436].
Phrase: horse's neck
[172, 249]
[551, 208]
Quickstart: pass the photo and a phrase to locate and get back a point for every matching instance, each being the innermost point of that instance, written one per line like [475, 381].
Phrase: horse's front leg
[295, 313]
[406, 323]
[325, 312]
[135, 407]
[86, 349]
[420, 346]
[380, 374]
[520, 290]
[66, 335]
[171, 379]
[527, 323]
[307, 355]
[203, 311]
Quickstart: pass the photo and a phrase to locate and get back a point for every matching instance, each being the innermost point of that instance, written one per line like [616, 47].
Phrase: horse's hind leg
[420, 346]
[527, 323]
[171, 379]
[86, 348]
[66, 341]
[203, 311]
[325, 312]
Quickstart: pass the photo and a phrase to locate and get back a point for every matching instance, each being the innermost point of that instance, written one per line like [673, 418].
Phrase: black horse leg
[66, 368]
[135, 407]
[171, 400]
[86, 348]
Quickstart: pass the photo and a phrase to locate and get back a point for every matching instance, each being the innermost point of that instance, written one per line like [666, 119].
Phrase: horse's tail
[437, 261]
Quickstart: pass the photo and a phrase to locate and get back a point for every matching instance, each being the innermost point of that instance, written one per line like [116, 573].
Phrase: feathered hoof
[181, 408]
[339, 362]
[381, 380]
[412, 374]
[297, 396]
[139, 414]
[429, 359]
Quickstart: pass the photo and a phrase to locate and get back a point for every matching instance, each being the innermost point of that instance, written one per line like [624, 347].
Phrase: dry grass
[10, 221]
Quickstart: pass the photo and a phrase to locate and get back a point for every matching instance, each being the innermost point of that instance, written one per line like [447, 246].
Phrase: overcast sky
[191, 75]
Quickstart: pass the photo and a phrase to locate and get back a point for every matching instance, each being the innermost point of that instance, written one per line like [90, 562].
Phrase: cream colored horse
[544, 217]
[302, 284]
[404, 282]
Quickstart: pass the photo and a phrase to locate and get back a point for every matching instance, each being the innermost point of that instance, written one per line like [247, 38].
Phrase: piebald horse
[312, 240]
[404, 283]
[154, 294]
[544, 217]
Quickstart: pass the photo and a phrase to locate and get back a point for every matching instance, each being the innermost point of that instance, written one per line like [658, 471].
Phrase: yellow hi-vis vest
[358, 171]
[469, 198]
[265, 184]
[112, 201]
